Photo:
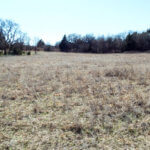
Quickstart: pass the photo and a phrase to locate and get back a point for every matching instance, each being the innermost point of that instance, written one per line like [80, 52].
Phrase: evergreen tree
[64, 44]
[40, 43]
[130, 42]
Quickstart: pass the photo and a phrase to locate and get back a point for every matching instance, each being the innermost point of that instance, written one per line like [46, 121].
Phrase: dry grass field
[75, 101]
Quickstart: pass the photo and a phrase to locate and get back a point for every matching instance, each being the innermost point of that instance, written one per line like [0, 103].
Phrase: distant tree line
[131, 42]
[14, 42]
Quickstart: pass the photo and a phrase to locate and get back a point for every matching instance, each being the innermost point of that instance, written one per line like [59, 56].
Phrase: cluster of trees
[42, 46]
[114, 44]
[14, 42]
[12, 39]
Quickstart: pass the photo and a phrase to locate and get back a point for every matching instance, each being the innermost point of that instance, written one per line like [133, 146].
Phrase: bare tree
[11, 33]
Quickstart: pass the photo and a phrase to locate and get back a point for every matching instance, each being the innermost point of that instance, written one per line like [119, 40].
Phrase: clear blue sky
[51, 19]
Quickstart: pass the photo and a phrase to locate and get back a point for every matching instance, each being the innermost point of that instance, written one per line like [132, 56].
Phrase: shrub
[29, 53]
[1, 53]
[48, 48]
[16, 49]
[16, 52]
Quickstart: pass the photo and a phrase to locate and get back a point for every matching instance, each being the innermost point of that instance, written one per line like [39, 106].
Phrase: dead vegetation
[75, 101]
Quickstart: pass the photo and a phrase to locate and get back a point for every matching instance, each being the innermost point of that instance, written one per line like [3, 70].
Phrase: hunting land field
[70, 101]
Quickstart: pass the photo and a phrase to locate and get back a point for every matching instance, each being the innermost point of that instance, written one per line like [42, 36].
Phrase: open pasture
[75, 101]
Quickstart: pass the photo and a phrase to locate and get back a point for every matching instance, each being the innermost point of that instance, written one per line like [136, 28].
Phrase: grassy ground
[75, 101]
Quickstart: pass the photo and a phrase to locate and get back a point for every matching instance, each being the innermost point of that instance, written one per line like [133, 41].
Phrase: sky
[51, 19]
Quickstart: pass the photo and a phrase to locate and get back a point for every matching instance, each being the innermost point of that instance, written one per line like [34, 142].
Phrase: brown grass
[75, 101]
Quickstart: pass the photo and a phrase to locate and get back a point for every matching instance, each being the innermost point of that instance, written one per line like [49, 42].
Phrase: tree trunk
[35, 50]
[5, 51]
